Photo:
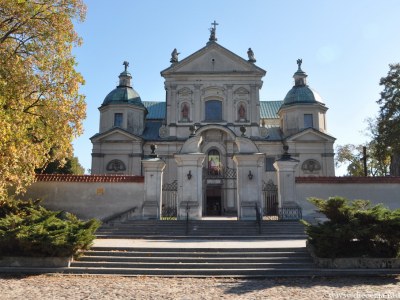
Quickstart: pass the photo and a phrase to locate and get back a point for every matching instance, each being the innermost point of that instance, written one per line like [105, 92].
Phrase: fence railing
[291, 213]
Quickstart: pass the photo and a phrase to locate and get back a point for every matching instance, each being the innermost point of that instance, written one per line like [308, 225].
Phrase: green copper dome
[124, 93]
[301, 93]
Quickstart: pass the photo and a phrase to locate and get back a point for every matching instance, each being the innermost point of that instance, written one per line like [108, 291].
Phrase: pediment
[213, 58]
[310, 135]
[116, 135]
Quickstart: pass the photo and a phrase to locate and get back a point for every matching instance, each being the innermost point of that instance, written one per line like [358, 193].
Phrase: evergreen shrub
[28, 229]
[354, 229]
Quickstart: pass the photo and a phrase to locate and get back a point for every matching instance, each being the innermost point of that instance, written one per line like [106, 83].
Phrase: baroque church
[221, 148]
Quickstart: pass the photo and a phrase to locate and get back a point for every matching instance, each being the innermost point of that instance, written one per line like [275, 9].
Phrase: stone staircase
[210, 229]
[196, 262]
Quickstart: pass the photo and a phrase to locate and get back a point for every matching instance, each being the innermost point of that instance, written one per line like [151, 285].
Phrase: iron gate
[223, 179]
[169, 205]
[270, 193]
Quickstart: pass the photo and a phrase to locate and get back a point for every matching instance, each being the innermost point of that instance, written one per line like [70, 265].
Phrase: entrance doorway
[213, 201]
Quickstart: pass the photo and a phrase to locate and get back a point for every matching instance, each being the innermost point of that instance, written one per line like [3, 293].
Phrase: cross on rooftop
[215, 24]
[126, 64]
[212, 32]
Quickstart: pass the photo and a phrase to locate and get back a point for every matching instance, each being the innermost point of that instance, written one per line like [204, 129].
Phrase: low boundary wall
[385, 190]
[89, 196]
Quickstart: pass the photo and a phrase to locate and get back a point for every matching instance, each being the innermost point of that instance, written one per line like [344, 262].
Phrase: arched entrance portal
[210, 166]
[213, 195]
[219, 172]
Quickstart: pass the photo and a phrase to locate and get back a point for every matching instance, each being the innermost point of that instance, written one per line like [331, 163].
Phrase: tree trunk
[395, 164]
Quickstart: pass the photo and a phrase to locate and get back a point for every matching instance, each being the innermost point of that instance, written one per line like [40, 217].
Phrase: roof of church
[268, 109]
[156, 110]
[123, 95]
[302, 95]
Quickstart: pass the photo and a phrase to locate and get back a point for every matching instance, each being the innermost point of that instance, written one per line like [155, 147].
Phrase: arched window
[214, 163]
[213, 110]
[116, 165]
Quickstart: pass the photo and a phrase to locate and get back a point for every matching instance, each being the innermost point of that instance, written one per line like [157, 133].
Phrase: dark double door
[214, 205]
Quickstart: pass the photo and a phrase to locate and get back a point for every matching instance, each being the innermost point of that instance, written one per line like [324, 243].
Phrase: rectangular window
[118, 120]
[269, 164]
[213, 110]
[308, 121]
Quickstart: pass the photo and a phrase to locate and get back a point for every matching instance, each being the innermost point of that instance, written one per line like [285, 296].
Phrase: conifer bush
[354, 229]
[28, 229]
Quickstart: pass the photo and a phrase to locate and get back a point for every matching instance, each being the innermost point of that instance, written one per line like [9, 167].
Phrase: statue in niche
[250, 54]
[242, 112]
[174, 56]
[185, 112]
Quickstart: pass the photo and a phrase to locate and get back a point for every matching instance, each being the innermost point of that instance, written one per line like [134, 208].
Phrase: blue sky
[346, 47]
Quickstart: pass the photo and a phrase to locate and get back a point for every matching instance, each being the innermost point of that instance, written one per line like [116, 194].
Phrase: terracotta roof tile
[89, 178]
[348, 180]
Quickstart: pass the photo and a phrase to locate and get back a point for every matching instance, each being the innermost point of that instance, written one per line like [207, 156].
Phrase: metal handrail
[187, 218]
[118, 215]
[258, 218]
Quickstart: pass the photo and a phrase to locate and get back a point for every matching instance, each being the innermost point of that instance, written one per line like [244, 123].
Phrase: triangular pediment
[310, 135]
[213, 59]
[116, 135]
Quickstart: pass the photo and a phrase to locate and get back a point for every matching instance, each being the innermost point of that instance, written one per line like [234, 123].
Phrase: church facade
[221, 150]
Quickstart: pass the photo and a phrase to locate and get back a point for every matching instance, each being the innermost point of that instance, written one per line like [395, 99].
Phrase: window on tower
[118, 119]
[308, 121]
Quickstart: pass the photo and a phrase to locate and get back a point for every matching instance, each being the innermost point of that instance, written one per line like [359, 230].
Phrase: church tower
[302, 107]
[117, 148]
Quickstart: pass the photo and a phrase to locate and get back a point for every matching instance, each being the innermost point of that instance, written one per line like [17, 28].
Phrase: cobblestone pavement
[115, 287]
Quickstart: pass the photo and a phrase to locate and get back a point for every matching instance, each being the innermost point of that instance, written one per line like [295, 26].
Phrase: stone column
[249, 184]
[190, 185]
[153, 173]
[285, 168]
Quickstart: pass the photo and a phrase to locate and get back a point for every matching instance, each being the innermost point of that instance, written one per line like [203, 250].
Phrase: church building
[223, 150]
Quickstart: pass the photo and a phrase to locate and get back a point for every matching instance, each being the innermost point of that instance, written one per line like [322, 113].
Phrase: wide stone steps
[207, 229]
[194, 262]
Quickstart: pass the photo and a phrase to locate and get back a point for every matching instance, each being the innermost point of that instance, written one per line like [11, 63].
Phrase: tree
[69, 166]
[41, 109]
[352, 156]
[388, 122]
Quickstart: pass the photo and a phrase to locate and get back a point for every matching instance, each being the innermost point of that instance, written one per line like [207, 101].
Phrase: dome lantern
[124, 93]
[301, 93]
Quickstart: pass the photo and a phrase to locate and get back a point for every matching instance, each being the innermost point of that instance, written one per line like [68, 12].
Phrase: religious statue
[126, 64]
[213, 29]
[185, 112]
[299, 62]
[174, 56]
[242, 112]
[250, 54]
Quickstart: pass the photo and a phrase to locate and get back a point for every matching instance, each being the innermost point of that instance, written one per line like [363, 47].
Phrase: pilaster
[190, 185]
[249, 184]
[153, 173]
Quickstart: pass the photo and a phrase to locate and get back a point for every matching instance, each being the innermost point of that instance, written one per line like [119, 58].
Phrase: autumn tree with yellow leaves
[41, 109]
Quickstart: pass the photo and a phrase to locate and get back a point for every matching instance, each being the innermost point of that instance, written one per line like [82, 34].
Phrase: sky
[346, 47]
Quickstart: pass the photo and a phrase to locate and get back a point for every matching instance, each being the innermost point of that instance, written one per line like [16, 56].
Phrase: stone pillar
[153, 173]
[285, 168]
[190, 185]
[250, 170]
